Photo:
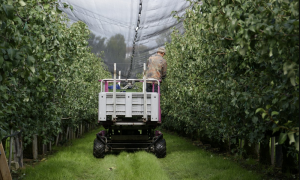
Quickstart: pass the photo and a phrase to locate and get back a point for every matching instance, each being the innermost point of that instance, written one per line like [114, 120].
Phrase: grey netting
[127, 31]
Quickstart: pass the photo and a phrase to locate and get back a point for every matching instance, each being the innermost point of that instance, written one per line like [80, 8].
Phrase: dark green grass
[183, 161]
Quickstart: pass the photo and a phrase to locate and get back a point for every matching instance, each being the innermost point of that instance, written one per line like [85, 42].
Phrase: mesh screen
[127, 32]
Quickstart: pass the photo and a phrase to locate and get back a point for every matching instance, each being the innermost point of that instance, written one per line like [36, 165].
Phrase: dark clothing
[149, 87]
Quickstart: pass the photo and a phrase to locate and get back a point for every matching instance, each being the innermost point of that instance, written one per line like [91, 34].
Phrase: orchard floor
[183, 161]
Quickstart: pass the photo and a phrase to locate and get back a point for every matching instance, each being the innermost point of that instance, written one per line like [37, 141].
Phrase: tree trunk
[272, 151]
[44, 149]
[57, 138]
[18, 158]
[35, 147]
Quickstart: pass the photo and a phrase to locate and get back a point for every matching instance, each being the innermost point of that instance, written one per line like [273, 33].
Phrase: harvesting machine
[129, 119]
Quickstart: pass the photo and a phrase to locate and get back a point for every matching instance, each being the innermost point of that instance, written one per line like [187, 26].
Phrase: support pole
[119, 78]
[145, 94]
[114, 93]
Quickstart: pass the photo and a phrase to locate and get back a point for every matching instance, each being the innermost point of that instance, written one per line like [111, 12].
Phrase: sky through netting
[127, 31]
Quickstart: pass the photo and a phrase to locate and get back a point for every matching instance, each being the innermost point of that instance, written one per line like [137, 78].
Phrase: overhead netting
[127, 31]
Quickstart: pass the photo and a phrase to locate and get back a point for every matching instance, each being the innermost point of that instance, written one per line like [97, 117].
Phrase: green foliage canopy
[235, 58]
[48, 75]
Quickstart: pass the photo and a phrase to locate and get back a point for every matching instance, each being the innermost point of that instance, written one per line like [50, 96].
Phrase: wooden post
[67, 137]
[44, 148]
[50, 146]
[57, 137]
[272, 151]
[81, 129]
[20, 150]
[35, 147]
[4, 170]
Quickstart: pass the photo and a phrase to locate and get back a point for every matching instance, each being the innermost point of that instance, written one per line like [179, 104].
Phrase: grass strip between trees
[183, 161]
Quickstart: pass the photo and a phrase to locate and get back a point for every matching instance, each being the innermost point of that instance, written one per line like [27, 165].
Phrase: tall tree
[97, 44]
[115, 51]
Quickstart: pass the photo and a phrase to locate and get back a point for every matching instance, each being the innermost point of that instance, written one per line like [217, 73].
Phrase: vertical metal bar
[119, 78]
[106, 86]
[114, 91]
[159, 111]
[153, 86]
[145, 94]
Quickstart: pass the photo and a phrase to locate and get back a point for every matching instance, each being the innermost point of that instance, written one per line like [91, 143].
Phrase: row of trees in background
[236, 73]
[112, 51]
[48, 75]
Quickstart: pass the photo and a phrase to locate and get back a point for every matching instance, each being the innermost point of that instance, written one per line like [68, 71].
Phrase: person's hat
[161, 49]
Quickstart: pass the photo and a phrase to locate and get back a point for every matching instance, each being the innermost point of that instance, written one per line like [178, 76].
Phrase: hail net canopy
[127, 32]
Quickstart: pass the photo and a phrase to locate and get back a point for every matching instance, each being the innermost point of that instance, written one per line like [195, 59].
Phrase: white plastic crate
[128, 104]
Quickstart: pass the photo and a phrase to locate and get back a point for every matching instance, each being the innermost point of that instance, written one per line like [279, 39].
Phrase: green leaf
[297, 144]
[43, 38]
[9, 11]
[282, 138]
[274, 113]
[10, 53]
[259, 110]
[292, 79]
[271, 52]
[30, 60]
[46, 6]
[263, 115]
[268, 106]
[242, 51]
[291, 137]
[22, 3]
[276, 129]
[32, 69]
[254, 119]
